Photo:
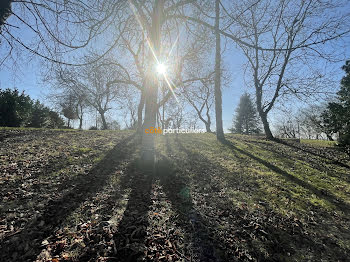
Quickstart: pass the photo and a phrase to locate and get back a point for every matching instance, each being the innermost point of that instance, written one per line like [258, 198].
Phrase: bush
[18, 109]
[15, 108]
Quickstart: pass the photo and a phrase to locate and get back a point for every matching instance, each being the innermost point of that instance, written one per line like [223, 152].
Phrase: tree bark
[330, 138]
[140, 111]
[266, 125]
[80, 117]
[104, 123]
[207, 127]
[151, 89]
[206, 123]
[81, 122]
[218, 96]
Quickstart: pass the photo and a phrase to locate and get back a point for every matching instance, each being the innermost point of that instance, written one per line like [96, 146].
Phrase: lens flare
[161, 69]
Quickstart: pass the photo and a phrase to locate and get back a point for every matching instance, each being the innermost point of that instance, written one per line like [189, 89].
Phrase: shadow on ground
[321, 194]
[260, 234]
[27, 243]
[194, 187]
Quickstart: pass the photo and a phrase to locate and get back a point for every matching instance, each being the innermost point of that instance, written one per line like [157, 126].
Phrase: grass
[318, 143]
[292, 183]
[35, 129]
[248, 199]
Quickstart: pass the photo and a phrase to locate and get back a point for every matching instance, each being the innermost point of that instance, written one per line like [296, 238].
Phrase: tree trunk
[207, 127]
[81, 122]
[104, 123]
[218, 96]
[330, 138]
[262, 114]
[151, 89]
[140, 111]
[266, 125]
[206, 123]
[81, 117]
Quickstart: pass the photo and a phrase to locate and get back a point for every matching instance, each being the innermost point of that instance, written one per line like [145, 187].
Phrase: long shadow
[129, 237]
[176, 187]
[239, 220]
[82, 188]
[328, 196]
[131, 233]
[316, 163]
[332, 160]
[266, 227]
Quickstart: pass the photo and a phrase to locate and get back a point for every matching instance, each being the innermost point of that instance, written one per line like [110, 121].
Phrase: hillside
[81, 196]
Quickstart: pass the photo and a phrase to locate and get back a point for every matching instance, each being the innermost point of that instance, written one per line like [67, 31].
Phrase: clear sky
[26, 76]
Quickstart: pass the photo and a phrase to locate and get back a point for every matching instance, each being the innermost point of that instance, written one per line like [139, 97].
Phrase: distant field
[81, 196]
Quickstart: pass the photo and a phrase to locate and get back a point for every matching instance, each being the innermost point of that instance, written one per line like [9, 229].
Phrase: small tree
[15, 108]
[114, 125]
[312, 123]
[69, 107]
[54, 120]
[39, 115]
[337, 114]
[246, 119]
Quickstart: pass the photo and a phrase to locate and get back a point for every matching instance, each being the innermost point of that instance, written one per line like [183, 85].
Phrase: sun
[161, 68]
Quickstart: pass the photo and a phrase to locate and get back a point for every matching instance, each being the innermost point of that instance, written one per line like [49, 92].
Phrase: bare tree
[312, 124]
[288, 129]
[90, 86]
[294, 33]
[201, 99]
[129, 105]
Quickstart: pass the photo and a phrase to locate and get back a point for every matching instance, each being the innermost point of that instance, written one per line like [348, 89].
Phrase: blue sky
[26, 76]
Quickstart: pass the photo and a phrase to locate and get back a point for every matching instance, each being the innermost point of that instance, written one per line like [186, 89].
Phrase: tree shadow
[203, 245]
[267, 235]
[27, 243]
[309, 151]
[315, 161]
[129, 237]
[328, 196]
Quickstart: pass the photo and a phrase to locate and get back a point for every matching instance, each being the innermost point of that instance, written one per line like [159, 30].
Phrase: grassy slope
[249, 199]
[320, 143]
[306, 189]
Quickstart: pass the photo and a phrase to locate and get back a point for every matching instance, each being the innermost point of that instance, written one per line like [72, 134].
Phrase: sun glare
[161, 68]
